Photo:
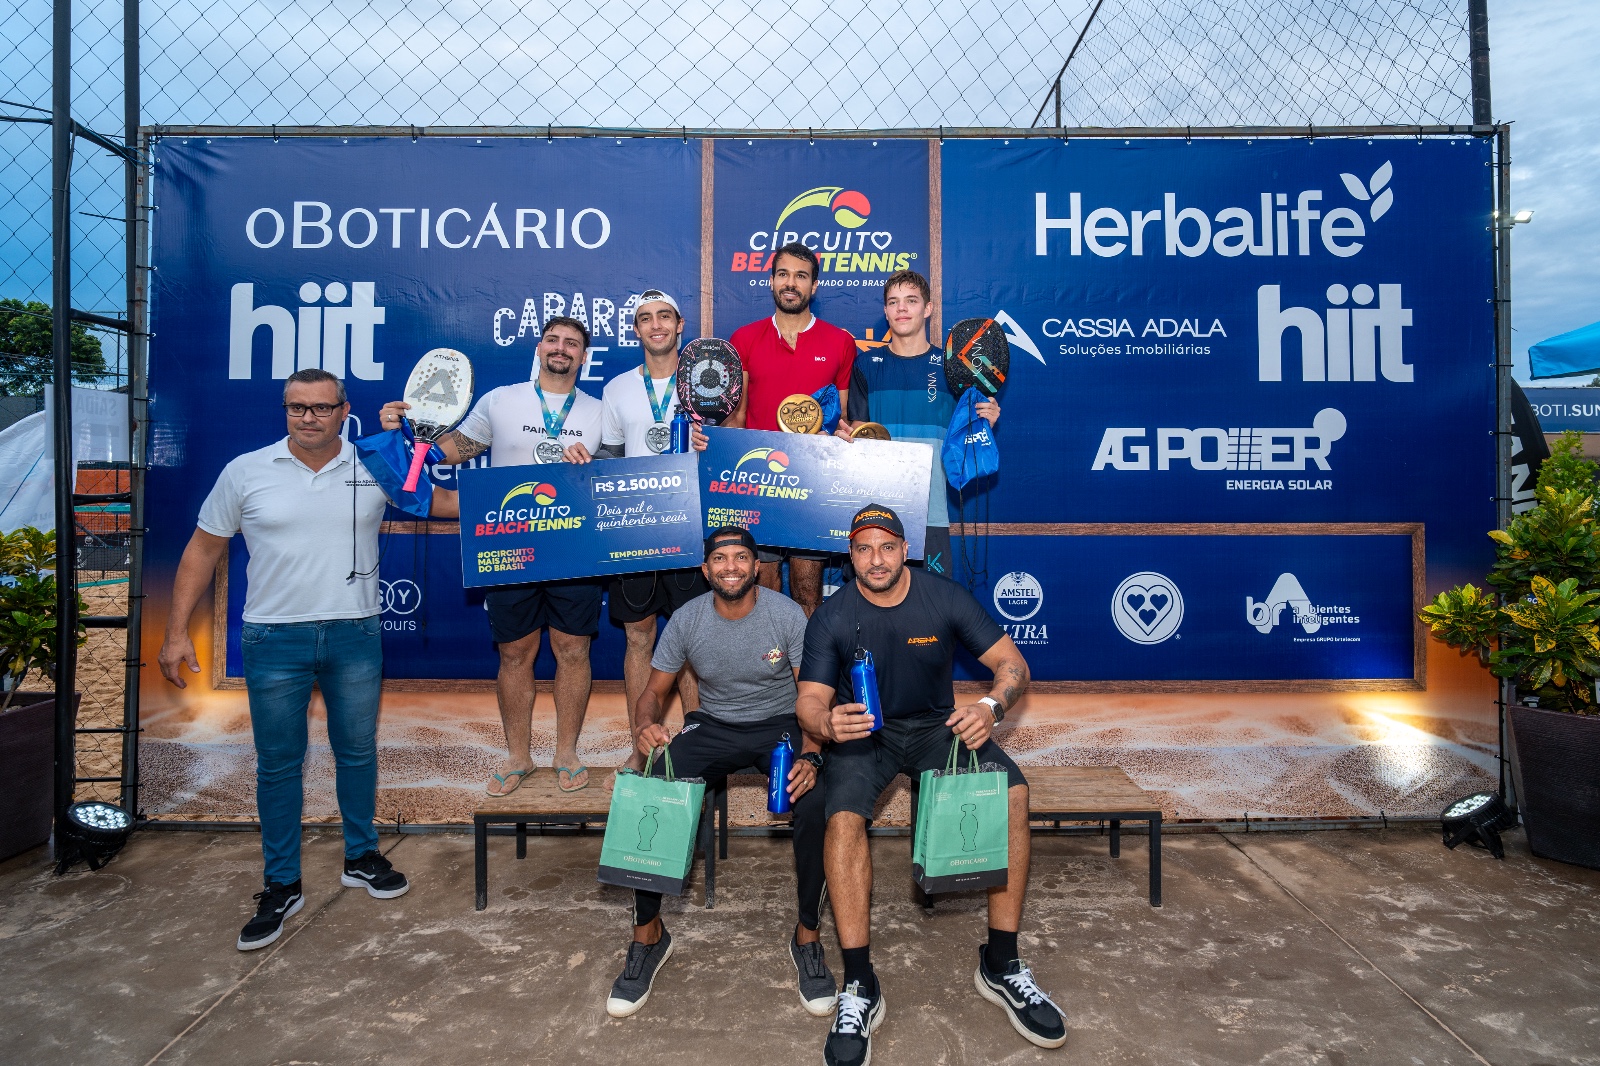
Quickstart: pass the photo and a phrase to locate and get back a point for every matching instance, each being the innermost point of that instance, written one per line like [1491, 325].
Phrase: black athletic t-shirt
[913, 644]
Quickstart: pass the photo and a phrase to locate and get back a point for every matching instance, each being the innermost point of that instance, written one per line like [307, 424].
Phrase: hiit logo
[544, 493]
[1342, 344]
[1224, 449]
[336, 338]
[1288, 594]
[1147, 607]
[1273, 228]
[775, 461]
[844, 247]
[1018, 596]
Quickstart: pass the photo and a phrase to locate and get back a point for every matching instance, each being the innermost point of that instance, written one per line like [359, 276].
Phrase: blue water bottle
[680, 433]
[778, 777]
[864, 679]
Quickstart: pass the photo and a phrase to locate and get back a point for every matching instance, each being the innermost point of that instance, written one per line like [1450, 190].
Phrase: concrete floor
[1330, 948]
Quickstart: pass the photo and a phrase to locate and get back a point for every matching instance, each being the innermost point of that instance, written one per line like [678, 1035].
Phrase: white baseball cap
[655, 296]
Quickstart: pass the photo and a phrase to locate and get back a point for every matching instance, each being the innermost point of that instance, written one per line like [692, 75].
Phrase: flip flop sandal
[520, 775]
[570, 775]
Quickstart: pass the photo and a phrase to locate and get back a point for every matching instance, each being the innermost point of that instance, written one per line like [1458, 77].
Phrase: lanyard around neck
[658, 409]
[553, 423]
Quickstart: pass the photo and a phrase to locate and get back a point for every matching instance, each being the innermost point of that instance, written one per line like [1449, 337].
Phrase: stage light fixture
[94, 832]
[1478, 820]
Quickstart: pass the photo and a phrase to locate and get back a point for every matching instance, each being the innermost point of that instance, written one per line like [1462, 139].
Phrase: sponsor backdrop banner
[1251, 380]
[1563, 409]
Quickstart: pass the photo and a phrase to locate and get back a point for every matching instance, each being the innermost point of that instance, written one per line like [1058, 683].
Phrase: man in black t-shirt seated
[910, 620]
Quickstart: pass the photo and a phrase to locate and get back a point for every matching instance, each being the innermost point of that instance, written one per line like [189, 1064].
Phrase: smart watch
[814, 758]
[995, 708]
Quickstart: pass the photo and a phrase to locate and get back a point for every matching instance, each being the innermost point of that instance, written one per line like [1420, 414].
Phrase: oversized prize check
[551, 521]
[797, 490]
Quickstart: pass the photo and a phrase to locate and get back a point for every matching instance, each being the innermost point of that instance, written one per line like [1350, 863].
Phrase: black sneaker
[632, 987]
[1031, 1012]
[374, 873]
[274, 903]
[818, 993]
[850, 1039]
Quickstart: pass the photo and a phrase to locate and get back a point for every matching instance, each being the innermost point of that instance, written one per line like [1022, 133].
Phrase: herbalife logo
[336, 337]
[1374, 189]
[1223, 449]
[1288, 595]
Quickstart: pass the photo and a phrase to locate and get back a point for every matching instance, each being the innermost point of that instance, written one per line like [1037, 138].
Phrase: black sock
[1002, 950]
[858, 968]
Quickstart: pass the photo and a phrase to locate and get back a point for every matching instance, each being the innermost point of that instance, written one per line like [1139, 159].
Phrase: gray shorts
[859, 770]
[777, 555]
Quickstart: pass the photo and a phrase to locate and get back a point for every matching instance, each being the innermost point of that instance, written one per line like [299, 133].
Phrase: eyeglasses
[321, 410]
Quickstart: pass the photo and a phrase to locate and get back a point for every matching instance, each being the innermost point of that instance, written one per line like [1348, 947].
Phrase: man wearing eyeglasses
[310, 514]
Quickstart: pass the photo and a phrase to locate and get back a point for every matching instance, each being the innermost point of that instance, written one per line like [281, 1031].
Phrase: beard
[793, 294]
[737, 593]
[889, 583]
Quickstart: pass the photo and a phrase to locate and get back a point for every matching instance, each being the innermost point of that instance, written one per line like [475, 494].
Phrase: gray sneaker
[632, 987]
[818, 993]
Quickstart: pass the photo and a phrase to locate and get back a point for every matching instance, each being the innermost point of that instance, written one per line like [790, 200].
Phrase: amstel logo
[850, 208]
[776, 461]
[544, 493]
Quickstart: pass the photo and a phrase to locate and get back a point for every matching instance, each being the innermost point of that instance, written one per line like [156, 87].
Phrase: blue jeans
[281, 660]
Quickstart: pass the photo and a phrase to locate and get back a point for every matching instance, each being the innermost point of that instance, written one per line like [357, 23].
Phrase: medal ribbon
[659, 409]
[553, 423]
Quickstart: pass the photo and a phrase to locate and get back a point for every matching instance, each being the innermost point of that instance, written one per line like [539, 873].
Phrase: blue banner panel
[1563, 409]
[357, 255]
[797, 490]
[862, 206]
[559, 520]
[1236, 331]
[1206, 607]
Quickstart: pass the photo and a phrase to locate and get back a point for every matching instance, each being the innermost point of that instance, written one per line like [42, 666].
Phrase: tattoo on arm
[465, 446]
[1011, 680]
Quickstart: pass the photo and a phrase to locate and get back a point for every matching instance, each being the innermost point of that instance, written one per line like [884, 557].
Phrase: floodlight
[1478, 820]
[94, 832]
[1523, 216]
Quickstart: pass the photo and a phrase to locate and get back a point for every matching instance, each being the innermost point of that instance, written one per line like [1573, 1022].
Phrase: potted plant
[1545, 639]
[27, 719]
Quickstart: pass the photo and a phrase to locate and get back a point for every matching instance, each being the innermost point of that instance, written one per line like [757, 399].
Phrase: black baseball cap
[877, 516]
[729, 535]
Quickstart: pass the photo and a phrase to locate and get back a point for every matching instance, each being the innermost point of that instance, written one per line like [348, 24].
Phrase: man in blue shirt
[902, 388]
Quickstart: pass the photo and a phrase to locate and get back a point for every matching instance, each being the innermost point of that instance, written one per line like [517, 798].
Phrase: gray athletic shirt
[745, 667]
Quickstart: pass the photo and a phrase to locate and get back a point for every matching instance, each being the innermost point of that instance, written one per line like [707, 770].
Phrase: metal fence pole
[1478, 36]
[138, 400]
[1502, 386]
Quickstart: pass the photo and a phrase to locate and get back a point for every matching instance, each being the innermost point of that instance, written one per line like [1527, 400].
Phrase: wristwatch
[814, 758]
[995, 708]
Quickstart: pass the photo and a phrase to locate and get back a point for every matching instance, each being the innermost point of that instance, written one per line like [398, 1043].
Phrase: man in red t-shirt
[793, 351]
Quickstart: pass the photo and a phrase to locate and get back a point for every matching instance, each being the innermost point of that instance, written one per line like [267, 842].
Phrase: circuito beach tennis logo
[760, 472]
[544, 493]
[832, 221]
[776, 461]
[545, 516]
[1147, 607]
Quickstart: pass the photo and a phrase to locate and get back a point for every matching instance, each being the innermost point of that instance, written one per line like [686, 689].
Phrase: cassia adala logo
[1147, 607]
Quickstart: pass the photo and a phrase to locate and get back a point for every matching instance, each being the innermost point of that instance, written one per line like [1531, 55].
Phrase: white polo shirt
[511, 421]
[630, 418]
[305, 531]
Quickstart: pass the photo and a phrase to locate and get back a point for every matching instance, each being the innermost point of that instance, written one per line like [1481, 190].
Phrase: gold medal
[800, 414]
[869, 431]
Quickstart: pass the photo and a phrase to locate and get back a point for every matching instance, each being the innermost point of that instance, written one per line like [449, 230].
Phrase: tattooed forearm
[1010, 682]
[466, 448]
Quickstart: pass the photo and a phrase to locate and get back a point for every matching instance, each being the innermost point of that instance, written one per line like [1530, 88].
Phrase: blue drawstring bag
[387, 457]
[828, 397]
[969, 451]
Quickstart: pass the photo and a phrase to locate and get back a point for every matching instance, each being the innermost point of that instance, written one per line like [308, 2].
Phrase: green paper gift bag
[649, 841]
[962, 827]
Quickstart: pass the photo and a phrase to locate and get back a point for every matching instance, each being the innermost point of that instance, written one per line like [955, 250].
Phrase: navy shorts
[859, 770]
[571, 607]
[635, 597]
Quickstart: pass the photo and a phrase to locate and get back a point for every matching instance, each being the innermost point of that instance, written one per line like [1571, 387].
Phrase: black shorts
[778, 555]
[859, 770]
[572, 607]
[711, 748]
[635, 597]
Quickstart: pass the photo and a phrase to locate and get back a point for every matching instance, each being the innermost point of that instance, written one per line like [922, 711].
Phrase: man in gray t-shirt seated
[744, 642]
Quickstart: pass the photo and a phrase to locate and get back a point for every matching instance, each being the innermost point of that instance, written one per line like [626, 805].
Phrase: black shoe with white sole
[1029, 1010]
[818, 994]
[850, 1039]
[632, 987]
[374, 873]
[273, 904]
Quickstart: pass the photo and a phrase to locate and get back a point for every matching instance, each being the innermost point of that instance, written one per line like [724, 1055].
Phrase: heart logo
[1147, 608]
[880, 239]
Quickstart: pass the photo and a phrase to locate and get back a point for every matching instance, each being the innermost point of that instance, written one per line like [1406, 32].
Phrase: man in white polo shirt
[310, 514]
[546, 420]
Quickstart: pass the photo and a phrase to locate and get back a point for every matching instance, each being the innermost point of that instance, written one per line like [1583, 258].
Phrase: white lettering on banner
[1268, 227]
[1287, 593]
[1224, 449]
[328, 338]
[1355, 345]
[310, 226]
[601, 314]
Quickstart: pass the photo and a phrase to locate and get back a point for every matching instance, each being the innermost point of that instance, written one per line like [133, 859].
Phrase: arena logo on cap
[845, 247]
[547, 516]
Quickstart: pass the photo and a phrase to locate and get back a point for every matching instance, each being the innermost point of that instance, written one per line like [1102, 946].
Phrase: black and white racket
[439, 391]
[977, 353]
[710, 380]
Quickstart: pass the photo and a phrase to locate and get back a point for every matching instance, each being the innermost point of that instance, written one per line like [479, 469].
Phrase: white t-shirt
[629, 417]
[511, 421]
[305, 531]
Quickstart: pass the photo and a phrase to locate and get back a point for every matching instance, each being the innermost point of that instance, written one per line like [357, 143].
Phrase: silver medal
[548, 451]
[658, 437]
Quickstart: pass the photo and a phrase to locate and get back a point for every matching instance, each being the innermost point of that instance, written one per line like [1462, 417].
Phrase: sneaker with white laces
[376, 874]
[632, 987]
[818, 993]
[1029, 1010]
[850, 1039]
[273, 904]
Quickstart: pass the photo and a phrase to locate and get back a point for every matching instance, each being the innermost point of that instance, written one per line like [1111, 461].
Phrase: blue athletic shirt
[907, 394]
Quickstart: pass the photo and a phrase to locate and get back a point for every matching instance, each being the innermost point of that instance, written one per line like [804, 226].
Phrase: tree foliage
[26, 362]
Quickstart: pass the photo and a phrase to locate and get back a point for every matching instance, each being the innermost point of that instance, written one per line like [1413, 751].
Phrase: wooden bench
[1056, 794]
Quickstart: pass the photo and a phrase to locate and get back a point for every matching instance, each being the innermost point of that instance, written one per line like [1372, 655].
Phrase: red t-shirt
[822, 354]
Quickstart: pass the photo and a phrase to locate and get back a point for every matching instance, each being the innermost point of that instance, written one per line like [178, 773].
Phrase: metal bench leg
[522, 840]
[1116, 838]
[708, 845]
[722, 813]
[480, 861]
[1155, 861]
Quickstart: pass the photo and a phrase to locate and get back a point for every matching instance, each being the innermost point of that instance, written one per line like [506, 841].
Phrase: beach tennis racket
[710, 380]
[439, 391]
[977, 354]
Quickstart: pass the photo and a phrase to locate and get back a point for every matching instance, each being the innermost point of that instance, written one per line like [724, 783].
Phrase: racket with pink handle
[439, 391]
